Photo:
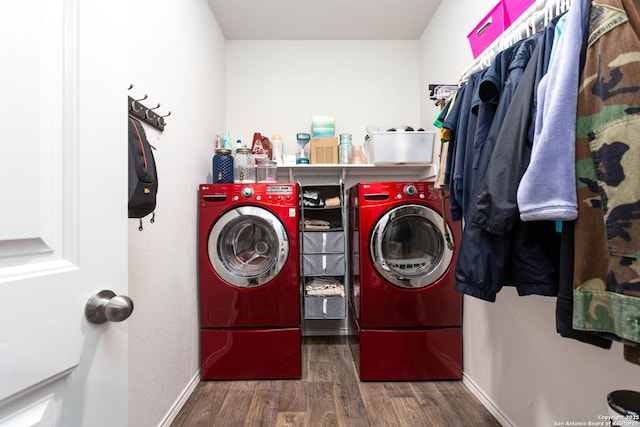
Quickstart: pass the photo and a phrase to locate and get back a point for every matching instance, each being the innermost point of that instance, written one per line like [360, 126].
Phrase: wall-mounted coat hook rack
[146, 114]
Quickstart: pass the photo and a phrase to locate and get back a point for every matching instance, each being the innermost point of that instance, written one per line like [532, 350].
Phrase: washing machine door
[408, 247]
[248, 246]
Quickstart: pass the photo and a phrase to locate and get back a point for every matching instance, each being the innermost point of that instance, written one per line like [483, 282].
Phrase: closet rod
[532, 20]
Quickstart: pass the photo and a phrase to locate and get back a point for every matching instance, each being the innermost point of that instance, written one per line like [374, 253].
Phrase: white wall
[176, 56]
[276, 86]
[444, 50]
[513, 357]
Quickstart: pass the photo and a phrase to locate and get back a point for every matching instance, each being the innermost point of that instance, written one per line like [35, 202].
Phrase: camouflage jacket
[607, 232]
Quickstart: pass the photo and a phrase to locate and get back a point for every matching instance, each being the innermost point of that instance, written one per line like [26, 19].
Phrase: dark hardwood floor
[330, 394]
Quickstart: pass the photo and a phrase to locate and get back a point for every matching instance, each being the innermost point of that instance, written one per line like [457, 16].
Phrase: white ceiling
[323, 19]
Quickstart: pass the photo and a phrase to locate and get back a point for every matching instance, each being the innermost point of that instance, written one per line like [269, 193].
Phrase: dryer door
[408, 247]
[248, 246]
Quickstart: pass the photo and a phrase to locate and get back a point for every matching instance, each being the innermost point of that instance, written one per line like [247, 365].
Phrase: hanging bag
[143, 176]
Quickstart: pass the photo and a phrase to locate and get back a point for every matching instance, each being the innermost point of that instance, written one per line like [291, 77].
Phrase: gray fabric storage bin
[324, 307]
[323, 242]
[323, 264]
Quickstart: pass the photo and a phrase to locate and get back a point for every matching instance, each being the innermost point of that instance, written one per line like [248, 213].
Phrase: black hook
[161, 121]
[147, 115]
[151, 109]
[133, 103]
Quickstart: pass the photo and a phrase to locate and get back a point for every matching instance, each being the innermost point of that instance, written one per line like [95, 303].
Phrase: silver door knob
[107, 306]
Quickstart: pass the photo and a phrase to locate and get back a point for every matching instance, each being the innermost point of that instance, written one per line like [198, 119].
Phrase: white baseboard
[173, 412]
[486, 401]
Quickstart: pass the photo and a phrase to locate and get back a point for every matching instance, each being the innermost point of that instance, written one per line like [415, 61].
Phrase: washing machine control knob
[410, 190]
[247, 192]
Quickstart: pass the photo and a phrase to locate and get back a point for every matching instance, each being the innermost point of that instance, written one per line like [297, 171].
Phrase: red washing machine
[404, 309]
[249, 281]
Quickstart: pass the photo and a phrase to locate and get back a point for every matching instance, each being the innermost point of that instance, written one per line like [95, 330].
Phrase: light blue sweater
[547, 190]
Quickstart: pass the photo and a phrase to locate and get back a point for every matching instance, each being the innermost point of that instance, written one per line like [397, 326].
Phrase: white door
[63, 226]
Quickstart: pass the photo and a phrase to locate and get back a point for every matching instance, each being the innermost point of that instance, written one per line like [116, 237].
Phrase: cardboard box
[488, 29]
[324, 150]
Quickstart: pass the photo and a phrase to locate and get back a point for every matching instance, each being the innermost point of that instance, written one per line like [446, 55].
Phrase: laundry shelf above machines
[352, 173]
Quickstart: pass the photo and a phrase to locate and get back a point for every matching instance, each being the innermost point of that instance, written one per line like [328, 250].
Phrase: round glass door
[408, 247]
[248, 246]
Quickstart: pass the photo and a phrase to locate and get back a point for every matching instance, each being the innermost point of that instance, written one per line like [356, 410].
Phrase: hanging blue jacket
[490, 258]
[465, 129]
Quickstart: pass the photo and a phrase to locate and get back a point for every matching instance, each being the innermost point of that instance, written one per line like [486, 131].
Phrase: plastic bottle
[261, 146]
[226, 140]
[345, 149]
[277, 148]
[235, 149]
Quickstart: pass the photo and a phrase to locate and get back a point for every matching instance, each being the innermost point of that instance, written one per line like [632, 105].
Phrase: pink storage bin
[488, 29]
[515, 8]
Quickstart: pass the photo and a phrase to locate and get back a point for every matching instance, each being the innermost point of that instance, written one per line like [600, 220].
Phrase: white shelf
[331, 172]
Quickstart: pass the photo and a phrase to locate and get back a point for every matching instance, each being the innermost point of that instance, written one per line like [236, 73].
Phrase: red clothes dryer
[249, 281]
[403, 306]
